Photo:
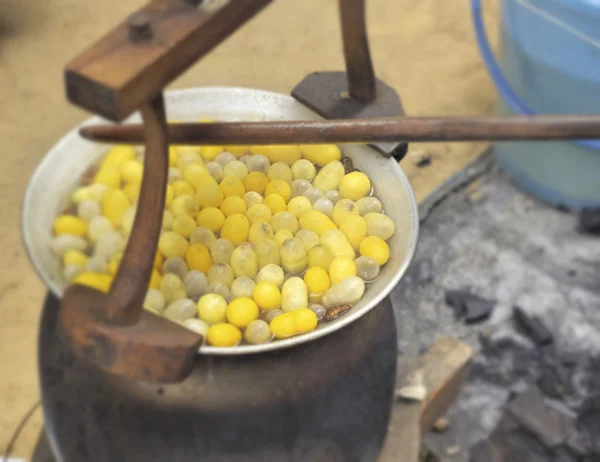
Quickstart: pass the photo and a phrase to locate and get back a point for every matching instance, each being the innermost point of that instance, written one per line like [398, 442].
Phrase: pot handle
[505, 89]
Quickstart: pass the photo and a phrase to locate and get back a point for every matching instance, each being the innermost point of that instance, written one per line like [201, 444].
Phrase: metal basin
[57, 175]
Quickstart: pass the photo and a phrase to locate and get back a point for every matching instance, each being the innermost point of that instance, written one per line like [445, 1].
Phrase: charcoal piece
[545, 423]
[424, 161]
[526, 365]
[478, 310]
[576, 442]
[591, 405]
[511, 441]
[497, 346]
[570, 359]
[506, 363]
[487, 374]
[554, 381]
[589, 221]
[487, 342]
[588, 423]
[485, 451]
[472, 307]
[592, 376]
[564, 454]
[456, 300]
[532, 326]
[589, 458]
[548, 350]
[506, 424]
[522, 446]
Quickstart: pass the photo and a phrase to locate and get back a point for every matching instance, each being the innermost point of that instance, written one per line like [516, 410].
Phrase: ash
[534, 392]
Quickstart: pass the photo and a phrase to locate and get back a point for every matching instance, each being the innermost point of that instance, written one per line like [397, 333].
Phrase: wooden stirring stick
[409, 129]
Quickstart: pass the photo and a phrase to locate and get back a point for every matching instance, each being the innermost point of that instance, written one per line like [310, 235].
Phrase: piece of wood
[120, 73]
[411, 129]
[403, 441]
[444, 369]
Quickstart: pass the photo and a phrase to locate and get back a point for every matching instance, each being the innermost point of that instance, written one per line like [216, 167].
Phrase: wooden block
[116, 75]
[444, 369]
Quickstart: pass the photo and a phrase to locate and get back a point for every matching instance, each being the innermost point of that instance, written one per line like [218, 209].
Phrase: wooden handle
[411, 129]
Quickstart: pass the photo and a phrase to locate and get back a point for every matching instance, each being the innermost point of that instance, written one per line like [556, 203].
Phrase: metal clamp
[356, 93]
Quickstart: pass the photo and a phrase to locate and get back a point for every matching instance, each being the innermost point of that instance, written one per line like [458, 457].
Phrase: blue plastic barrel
[549, 63]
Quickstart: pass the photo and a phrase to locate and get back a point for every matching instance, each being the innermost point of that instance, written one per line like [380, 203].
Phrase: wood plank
[403, 440]
[444, 369]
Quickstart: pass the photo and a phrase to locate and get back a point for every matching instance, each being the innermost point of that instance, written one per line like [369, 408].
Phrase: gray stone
[532, 326]
[486, 451]
[464, 434]
[538, 419]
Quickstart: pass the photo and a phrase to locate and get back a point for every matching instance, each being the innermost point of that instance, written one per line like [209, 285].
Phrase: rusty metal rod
[409, 129]
[359, 66]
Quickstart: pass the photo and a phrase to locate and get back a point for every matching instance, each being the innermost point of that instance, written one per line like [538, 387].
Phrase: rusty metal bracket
[113, 330]
[326, 93]
[356, 93]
